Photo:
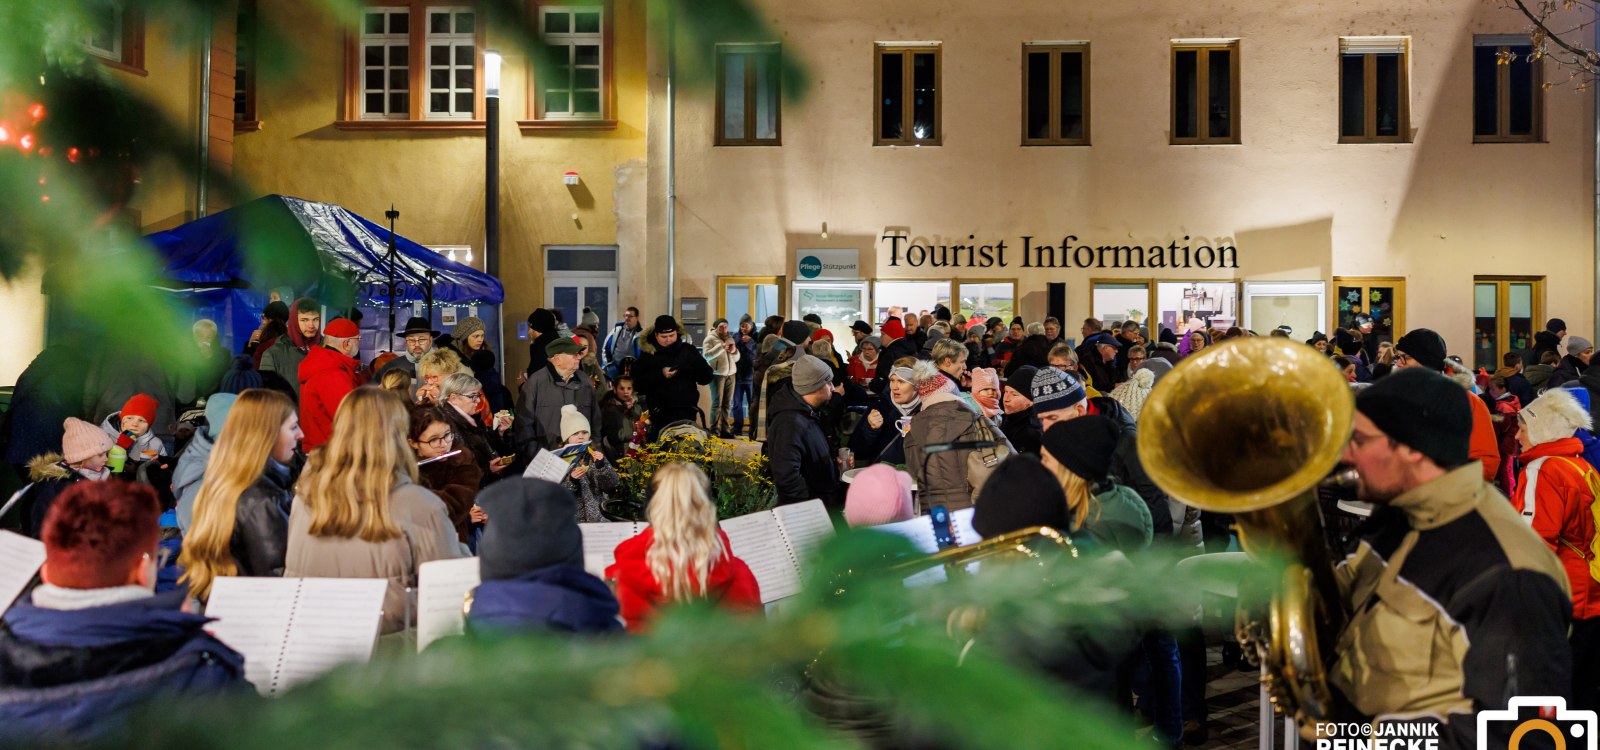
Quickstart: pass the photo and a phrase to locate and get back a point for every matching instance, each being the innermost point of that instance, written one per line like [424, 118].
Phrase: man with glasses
[1425, 349]
[622, 344]
[419, 336]
[538, 422]
[1457, 604]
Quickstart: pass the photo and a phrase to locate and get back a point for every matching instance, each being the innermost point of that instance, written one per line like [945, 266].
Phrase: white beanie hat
[1556, 415]
[572, 421]
[1131, 393]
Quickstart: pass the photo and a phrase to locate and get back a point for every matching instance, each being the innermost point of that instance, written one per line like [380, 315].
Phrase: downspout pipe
[672, 161]
[203, 165]
[1596, 298]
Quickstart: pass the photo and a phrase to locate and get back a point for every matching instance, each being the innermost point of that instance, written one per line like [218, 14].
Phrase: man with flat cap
[1457, 605]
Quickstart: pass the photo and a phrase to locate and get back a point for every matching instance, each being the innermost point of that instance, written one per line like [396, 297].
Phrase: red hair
[95, 531]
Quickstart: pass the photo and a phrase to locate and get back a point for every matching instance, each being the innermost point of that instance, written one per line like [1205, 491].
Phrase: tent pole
[394, 257]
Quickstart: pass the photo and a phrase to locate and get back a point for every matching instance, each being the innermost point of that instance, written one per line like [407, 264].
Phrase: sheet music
[600, 542]
[442, 588]
[806, 524]
[919, 530]
[295, 629]
[545, 465]
[758, 541]
[961, 527]
[20, 558]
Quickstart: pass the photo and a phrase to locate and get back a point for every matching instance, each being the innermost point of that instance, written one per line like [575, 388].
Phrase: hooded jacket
[72, 675]
[730, 583]
[50, 476]
[1544, 341]
[941, 477]
[326, 377]
[188, 473]
[564, 598]
[146, 443]
[677, 394]
[1128, 470]
[1438, 635]
[1570, 369]
[797, 450]
[284, 358]
[1561, 513]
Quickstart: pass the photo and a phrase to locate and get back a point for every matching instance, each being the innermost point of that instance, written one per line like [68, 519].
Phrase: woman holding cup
[880, 436]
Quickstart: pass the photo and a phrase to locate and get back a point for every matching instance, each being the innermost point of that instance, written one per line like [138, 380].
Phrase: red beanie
[341, 328]
[140, 406]
[894, 328]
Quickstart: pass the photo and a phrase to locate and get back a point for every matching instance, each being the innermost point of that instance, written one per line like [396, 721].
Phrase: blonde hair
[237, 461]
[1081, 504]
[1385, 353]
[441, 361]
[347, 482]
[397, 380]
[684, 521]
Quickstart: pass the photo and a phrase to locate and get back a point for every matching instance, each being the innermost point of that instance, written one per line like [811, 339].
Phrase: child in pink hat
[880, 494]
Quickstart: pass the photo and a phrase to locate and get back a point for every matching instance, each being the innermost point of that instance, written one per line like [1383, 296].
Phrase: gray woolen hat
[532, 524]
[810, 374]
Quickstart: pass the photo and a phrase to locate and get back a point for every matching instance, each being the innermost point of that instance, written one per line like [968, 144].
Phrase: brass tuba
[1251, 427]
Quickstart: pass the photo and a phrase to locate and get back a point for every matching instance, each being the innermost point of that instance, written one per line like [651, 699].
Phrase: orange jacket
[1483, 447]
[1562, 516]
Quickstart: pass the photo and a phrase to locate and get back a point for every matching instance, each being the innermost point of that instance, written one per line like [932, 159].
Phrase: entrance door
[579, 276]
[1375, 305]
[1504, 313]
[838, 303]
[756, 296]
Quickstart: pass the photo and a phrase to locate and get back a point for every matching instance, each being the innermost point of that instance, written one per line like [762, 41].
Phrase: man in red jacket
[328, 373]
[1421, 347]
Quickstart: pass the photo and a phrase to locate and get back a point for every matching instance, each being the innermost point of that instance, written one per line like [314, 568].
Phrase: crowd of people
[299, 459]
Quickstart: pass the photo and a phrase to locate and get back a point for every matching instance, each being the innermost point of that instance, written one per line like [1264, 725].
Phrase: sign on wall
[827, 264]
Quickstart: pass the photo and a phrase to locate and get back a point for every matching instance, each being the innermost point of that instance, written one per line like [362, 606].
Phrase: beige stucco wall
[435, 179]
[1299, 205]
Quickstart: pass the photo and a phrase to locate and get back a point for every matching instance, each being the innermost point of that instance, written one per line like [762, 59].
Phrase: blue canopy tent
[223, 266]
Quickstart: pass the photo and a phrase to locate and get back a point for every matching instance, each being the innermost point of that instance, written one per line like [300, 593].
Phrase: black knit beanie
[1020, 494]
[1422, 409]
[1022, 380]
[542, 320]
[1424, 346]
[1555, 325]
[278, 311]
[532, 524]
[796, 332]
[1084, 445]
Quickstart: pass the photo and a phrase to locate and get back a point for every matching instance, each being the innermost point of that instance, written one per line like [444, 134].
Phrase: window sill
[246, 126]
[1493, 140]
[749, 144]
[1373, 141]
[1070, 144]
[122, 66]
[567, 124]
[906, 144]
[469, 125]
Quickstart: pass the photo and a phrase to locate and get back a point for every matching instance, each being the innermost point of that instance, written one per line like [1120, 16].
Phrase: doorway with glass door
[577, 277]
[1506, 312]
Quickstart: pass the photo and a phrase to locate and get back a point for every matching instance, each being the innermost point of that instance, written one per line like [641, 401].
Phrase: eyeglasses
[1359, 441]
[474, 397]
[1136, 359]
[441, 441]
[1401, 358]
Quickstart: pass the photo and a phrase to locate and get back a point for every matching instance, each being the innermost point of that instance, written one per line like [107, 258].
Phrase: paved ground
[1233, 698]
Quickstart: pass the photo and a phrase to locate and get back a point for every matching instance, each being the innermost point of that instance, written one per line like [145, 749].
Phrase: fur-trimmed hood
[1553, 416]
[47, 466]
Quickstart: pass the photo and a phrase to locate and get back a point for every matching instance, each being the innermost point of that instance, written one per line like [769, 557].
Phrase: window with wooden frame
[1055, 94]
[748, 87]
[1506, 312]
[415, 65]
[116, 35]
[1205, 91]
[906, 82]
[1374, 97]
[571, 87]
[1507, 90]
[244, 69]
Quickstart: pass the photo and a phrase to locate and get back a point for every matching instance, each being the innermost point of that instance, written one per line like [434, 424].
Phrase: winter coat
[1483, 447]
[146, 443]
[1561, 514]
[191, 468]
[722, 363]
[1520, 387]
[114, 377]
[745, 370]
[1128, 470]
[1538, 376]
[1590, 380]
[594, 487]
[326, 377]
[426, 534]
[941, 477]
[47, 392]
[617, 421]
[730, 584]
[537, 358]
[485, 445]
[283, 359]
[50, 476]
[1544, 341]
[261, 523]
[862, 373]
[538, 422]
[797, 450]
[1570, 369]
[1439, 633]
[884, 444]
[1120, 521]
[1505, 433]
[1024, 431]
[1166, 351]
[70, 676]
[563, 598]
[892, 351]
[486, 368]
[673, 398]
[456, 480]
[1034, 351]
[622, 343]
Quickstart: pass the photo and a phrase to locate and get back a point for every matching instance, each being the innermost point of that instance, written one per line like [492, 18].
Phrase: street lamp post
[491, 171]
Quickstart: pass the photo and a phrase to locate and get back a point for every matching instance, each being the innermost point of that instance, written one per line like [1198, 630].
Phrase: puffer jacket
[326, 377]
[942, 477]
[1128, 470]
[50, 476]
[564, 598]
[70, 676]
[1566, 373]
[797, 451]
[1555, 499]
[261, 522]
[722, 363]
[1437, 635]
[676, 396]
[146, 443]
[190, 470]
[729, 585]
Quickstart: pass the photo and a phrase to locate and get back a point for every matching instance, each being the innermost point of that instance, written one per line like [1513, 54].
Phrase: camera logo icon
[1569, 730]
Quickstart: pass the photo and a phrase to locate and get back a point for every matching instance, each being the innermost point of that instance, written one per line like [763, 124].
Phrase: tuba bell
[1251, 427]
